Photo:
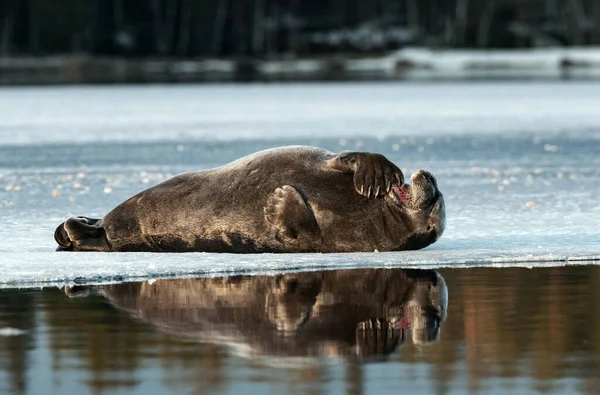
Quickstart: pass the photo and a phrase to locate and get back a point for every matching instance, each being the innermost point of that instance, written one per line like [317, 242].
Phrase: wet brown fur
[291, 199]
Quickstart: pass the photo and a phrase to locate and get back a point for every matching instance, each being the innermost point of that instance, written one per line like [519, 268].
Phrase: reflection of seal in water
[364, 313]
[293, 199]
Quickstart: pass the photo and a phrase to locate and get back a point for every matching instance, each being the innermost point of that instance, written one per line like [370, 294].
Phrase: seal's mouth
[420, 194]
[402, 192]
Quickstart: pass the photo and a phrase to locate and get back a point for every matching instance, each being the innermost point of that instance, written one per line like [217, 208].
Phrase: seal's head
[422, 200]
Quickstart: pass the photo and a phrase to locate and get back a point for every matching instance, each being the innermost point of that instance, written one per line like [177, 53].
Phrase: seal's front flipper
[287, 211]
[374, 174]
[78, 235]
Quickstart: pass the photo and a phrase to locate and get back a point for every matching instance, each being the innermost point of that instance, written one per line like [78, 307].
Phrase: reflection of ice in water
[518, 167]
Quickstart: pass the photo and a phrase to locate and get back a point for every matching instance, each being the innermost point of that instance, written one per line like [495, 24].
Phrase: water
[519, 168]
[509, 330]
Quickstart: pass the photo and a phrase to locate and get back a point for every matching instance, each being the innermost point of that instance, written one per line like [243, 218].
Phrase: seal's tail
[81, 234]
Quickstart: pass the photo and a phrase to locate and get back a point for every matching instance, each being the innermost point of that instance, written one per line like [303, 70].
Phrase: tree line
[274, 28]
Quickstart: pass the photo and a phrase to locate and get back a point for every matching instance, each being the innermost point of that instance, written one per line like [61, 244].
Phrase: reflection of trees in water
[16, 312]
[355, 379]
[271, 27]
[96, 337]
[112, 348]
[541, 323]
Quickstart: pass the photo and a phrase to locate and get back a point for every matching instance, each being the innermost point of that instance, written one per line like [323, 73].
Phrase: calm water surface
[510, 330]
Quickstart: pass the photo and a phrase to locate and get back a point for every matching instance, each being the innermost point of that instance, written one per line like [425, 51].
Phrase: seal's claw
[399, 178]
[374, 175]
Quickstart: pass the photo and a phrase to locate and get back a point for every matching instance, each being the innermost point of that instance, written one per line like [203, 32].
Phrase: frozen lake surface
[519, 166]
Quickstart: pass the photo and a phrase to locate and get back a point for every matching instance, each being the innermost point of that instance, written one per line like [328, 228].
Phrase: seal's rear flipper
[287, 211]
[77, 234]
[77, 291]
[62, 238]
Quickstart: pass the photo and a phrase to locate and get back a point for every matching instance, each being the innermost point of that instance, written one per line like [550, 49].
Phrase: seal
[288, 199]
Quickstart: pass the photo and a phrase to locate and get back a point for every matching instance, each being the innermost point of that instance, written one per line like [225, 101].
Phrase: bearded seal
[289, 199]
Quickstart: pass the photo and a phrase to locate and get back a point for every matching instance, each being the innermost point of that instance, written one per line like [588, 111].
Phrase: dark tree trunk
[293, 36]
[160, 41]
[485, 24]
[34, 28]
[458, 28]
[8, 27]
[273, 35]
[575, 21]
[596, 17]
[171, 25]
[258, 30]
[219, 30]
[412, 12]
[185, 27]
[240, 45]
[104, 26]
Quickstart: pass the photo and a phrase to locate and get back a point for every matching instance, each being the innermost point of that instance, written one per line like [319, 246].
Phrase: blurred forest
[274, 28]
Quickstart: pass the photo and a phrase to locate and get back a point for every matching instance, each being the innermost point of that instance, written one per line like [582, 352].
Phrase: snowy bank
[408, 64]
[557, 63]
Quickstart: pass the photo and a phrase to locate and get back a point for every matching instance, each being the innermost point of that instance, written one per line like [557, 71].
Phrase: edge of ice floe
[60, 269]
